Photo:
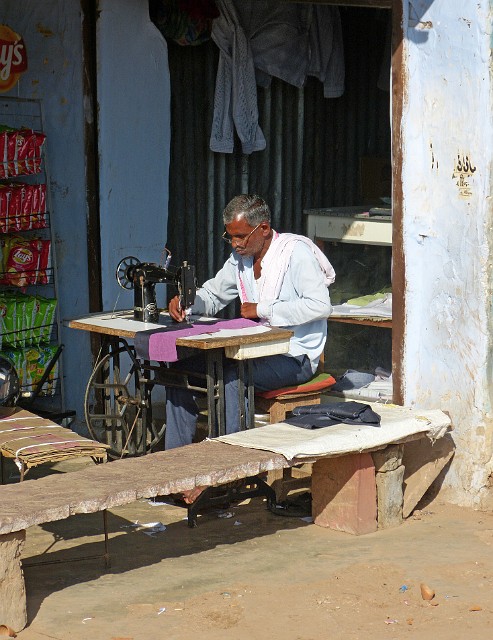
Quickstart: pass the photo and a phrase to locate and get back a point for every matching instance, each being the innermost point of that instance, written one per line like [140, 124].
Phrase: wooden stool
[278, 403]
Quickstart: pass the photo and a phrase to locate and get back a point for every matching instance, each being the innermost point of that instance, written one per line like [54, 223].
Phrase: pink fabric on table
[162, 345]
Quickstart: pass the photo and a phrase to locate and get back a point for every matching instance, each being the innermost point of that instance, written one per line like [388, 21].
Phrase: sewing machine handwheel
[122, 271]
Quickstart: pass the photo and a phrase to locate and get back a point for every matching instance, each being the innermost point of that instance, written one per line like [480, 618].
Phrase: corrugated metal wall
[314, 144]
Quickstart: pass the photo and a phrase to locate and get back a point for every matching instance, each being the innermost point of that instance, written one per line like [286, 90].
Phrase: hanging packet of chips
[36, 361]
[28, 318]
[4, 208]
[44, 318]
[25, 260]
[8, 312]
[39, 219]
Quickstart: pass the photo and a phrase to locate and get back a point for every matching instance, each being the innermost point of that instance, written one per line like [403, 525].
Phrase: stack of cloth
[32, 440]
[375, 305]
[371, 387]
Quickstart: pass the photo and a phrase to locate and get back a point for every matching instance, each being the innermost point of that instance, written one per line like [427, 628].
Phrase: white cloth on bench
[397, 423]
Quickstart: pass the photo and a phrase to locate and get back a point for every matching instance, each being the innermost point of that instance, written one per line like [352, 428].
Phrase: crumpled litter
[153, 527]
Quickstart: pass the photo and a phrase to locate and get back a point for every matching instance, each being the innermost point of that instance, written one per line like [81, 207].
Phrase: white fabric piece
[294, 442]
[276, 261]
[377, 391]
[381, 308]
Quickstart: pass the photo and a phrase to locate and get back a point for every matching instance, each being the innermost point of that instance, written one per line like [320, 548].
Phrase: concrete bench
[364, 495]
[101, 487]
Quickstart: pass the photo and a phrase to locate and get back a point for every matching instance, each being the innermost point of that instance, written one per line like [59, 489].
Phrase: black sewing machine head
[142, 277]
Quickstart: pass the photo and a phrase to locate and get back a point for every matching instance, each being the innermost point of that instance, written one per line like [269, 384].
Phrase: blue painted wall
[134, 147]
[134, 140]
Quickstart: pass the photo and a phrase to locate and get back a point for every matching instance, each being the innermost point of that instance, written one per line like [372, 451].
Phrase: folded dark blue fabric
[326, 415]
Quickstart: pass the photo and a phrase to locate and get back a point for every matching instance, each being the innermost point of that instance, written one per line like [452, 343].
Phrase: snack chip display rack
[29, 313]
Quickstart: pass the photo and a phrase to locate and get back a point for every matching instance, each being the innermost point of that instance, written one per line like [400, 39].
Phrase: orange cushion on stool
[317, 383]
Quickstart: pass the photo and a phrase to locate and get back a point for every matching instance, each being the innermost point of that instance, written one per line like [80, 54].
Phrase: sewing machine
[142, 277]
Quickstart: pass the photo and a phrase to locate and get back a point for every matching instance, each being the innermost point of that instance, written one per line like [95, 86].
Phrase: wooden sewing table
[118, 403]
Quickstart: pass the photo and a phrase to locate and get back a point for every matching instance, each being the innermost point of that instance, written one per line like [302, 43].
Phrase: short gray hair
[251, 206]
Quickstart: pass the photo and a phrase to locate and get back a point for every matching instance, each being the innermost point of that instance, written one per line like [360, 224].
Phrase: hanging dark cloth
[186, 22]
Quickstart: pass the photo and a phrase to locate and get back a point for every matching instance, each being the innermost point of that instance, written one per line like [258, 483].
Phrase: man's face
[245, 239]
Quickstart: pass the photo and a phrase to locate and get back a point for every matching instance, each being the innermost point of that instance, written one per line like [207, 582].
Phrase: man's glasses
[242, 239]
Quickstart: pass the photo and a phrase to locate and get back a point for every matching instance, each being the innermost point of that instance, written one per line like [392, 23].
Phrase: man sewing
[282, 280]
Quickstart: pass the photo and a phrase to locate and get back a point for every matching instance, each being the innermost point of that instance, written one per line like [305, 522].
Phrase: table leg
[134, 437]
[215, 393]
[245, 381]
[221, 402]
[241, 395]
[146, 384]
[251, 396]
[108, 377]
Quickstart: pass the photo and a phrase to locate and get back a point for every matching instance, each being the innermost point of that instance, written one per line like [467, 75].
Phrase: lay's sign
[13, 58]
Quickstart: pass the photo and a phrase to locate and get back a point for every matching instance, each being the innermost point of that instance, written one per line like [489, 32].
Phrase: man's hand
[249, 310]
[175, 310]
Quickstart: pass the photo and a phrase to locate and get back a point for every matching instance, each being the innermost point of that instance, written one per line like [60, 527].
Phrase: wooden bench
[209, 463]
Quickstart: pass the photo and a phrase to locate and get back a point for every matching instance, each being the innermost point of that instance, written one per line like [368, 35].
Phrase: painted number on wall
[464, 168]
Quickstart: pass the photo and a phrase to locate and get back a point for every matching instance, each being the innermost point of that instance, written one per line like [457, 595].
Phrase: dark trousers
[270, 372]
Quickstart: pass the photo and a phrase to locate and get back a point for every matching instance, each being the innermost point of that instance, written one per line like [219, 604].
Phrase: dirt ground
[247, 574]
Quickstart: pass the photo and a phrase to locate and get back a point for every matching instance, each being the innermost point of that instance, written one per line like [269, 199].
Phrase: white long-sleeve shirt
[303, 304]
